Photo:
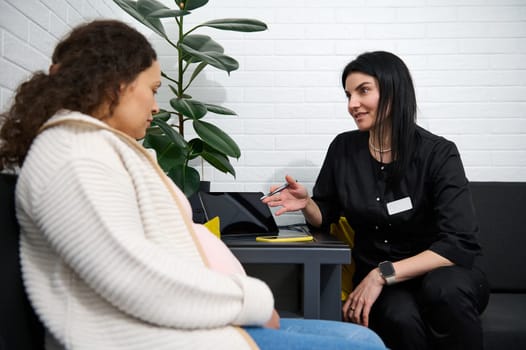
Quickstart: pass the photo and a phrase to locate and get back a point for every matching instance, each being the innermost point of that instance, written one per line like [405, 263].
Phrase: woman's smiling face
[363, 96]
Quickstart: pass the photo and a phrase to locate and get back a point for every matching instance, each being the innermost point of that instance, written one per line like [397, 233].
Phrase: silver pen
[277, 190]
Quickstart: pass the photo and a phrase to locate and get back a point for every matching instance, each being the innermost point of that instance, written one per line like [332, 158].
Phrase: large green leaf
[163, 114]
[145, 7]
[217, 160]
[203, 43]
[173, 135]
[192, 4]
[188, 107]
[168, 154]
[164, 13]
[219, 109]
[196, 148]
[216, 138]
[132, 8]
[213, 58]
[196, 72]
[236, 24]
[186, 178]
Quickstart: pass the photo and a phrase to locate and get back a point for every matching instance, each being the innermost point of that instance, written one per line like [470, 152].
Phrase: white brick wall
[467, 57]
[30, 29]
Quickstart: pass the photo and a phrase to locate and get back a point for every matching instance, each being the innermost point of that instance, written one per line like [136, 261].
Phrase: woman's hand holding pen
[292, 197]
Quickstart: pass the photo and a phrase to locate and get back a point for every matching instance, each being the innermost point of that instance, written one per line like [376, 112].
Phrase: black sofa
[501, 210]
[20, 328]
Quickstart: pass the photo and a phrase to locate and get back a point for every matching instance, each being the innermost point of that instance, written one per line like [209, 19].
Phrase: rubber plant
[194, 53]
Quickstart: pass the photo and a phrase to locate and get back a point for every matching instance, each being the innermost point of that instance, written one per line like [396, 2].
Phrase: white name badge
[399, 206]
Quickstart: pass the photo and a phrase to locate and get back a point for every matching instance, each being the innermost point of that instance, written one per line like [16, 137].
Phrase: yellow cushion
[214, 226]
[344, 232]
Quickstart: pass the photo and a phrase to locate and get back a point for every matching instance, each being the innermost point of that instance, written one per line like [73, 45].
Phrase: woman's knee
[450, 288]
[401, 329]
[398, 317]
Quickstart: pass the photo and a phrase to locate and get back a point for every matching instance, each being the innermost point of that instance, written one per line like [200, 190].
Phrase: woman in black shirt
[404, 192]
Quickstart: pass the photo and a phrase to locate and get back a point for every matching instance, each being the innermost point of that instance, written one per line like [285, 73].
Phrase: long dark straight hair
[397, 103]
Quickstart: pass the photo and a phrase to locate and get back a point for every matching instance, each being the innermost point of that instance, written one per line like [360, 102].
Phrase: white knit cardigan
[109, 257]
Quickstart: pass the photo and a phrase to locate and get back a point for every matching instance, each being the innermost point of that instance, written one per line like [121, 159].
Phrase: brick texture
[467, 57]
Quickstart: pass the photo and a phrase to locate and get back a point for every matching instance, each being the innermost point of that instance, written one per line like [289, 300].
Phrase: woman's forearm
[312, 213]
[418, 265]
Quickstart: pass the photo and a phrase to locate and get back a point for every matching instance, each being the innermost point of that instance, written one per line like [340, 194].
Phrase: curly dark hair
[89, 67]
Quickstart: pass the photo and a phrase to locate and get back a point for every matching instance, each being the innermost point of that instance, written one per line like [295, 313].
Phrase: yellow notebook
[277, 239]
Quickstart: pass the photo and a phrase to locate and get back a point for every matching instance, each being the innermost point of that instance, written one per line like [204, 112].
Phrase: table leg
[330, 284]
[311, 290]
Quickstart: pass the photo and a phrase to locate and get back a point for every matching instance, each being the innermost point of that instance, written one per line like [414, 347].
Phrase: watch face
[386, 268]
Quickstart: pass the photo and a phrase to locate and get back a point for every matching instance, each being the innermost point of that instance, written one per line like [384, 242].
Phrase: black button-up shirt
[442, 219]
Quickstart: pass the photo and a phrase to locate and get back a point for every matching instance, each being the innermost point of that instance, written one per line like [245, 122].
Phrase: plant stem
[180, 72]
[164, 75]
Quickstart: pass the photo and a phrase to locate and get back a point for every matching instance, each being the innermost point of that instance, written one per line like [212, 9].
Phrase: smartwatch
[387, 272]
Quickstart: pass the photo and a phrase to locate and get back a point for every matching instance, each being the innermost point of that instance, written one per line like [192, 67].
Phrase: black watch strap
[387, 271]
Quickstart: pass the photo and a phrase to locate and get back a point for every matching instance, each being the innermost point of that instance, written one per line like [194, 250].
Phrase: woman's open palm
[293, 198]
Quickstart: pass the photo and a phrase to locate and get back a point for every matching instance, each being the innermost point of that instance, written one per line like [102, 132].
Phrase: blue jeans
[300, 334]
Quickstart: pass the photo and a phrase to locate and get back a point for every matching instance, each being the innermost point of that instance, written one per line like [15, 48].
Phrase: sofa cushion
[500, 209]
[504, 322]
[19, 326]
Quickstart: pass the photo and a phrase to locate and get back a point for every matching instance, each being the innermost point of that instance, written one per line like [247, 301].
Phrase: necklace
[378, 149]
